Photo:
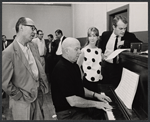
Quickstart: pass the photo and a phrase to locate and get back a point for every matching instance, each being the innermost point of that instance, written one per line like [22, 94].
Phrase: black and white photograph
[75, 61]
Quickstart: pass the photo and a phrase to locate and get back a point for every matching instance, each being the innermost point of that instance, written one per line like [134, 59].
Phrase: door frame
[117, 11]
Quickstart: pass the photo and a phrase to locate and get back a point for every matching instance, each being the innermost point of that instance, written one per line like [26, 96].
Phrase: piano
[138, 64]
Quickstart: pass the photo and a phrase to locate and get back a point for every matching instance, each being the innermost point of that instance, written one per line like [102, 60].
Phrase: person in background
[4, 45]
[5, 97]
[90, 61]
[56, 48]
[4, 42]
[14, 37]
[68, 94]
[109, 42]
[23, 77]
[40, 42]
[60, 37]
[49, 43]
[49, 57]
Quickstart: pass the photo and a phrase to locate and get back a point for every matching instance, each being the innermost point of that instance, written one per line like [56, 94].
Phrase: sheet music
[127, 87]
[115, 53]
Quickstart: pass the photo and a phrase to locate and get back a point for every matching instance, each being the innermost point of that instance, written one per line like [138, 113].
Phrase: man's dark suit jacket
[53, 58]
[128, 38]
[55, 45]
[112, 73]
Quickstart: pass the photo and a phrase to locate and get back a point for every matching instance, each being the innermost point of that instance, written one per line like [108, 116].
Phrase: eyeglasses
[41, 34]
[32, 27]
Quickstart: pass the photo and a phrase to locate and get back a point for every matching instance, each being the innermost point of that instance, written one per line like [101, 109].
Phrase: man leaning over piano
[112, 71]
[109, 42]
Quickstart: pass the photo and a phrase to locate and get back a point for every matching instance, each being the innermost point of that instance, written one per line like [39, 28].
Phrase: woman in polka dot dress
[90, 61]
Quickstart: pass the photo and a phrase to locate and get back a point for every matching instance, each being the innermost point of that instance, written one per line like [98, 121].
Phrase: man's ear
[66, 50]
[20, 27]
[113, 27]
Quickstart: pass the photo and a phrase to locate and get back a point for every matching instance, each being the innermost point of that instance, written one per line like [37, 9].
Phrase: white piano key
[110, 115]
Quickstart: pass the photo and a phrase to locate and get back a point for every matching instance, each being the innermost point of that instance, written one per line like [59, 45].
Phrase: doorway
[124, 10]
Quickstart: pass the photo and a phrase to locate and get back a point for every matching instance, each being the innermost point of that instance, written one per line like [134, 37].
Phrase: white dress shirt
[110, 46]
[59, 50]
[5, 44]
[41, 46]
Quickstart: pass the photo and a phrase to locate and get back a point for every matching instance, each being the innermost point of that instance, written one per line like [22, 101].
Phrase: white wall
[46, 17]
[138, 14]
[87, 15]
[138, 17]
[74, 20]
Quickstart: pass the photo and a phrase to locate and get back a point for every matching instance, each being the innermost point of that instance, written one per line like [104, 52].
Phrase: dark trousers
[81, 114]
[111, 73]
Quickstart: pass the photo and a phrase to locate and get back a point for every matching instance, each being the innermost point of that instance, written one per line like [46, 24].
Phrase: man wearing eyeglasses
[40, 42]
[23, 77]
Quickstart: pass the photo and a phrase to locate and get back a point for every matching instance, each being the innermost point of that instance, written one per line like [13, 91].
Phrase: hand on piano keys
[103, 98]
[109, 112]
[104, 104]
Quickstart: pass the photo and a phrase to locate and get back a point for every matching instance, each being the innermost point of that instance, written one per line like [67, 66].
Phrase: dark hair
[119, 17]
[14, 36]
[21, 20]
[39, 31]
[59, 31]
[96, 32]
[50, 35]
[3, 36]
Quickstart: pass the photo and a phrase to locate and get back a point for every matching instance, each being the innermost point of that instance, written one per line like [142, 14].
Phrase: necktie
[115, 47]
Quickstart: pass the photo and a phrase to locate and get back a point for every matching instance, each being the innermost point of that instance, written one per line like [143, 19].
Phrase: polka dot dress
[92, 64]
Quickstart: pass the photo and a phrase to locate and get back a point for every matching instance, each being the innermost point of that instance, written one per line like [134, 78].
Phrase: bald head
[25, 30]
[69, 42]
[71, 49]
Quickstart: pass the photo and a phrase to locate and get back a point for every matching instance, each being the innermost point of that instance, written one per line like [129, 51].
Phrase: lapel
[107, 36]
[42, 75]
[33, 50]
[22, 57]
[63, 38]
[36, 57]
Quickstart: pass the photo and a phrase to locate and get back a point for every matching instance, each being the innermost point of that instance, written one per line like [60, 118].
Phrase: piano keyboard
[109, 113]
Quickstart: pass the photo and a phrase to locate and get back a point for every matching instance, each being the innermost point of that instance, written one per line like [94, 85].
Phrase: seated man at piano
[109, 42]
[71, 100]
